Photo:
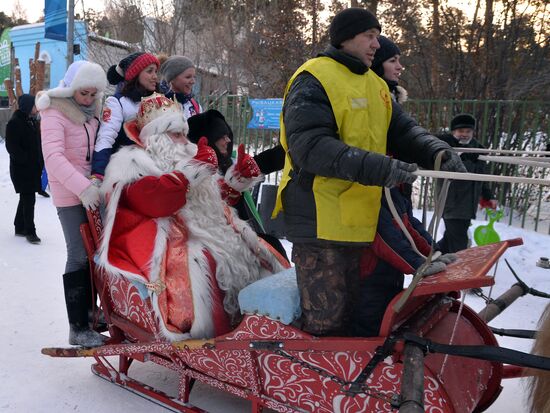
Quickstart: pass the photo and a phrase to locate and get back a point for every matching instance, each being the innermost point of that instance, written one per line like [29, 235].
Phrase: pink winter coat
[67, 150]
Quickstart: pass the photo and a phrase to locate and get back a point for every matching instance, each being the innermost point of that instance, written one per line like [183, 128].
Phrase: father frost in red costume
[168, 229]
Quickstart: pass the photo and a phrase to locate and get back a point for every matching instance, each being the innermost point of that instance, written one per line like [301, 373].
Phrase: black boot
[33, 238]
[77, 299]
[96, 318]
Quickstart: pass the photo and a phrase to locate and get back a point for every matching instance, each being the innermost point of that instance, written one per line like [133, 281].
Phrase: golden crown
[155, 106]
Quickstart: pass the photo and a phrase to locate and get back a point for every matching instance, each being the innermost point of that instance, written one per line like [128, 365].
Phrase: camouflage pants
[328, 280]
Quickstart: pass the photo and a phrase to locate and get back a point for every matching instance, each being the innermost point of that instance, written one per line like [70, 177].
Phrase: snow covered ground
[33, 316]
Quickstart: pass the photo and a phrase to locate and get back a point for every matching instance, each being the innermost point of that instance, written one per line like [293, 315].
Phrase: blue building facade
[53, 52]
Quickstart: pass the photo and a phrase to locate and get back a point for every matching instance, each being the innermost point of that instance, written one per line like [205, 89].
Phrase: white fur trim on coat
[402, 94]
[239, 183]
[128, 165]
[173, 122]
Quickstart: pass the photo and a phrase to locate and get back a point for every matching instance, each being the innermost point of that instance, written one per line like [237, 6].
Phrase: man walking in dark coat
[26, 164]
[463, 196]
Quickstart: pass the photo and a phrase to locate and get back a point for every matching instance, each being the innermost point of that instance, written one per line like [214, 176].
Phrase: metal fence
[516, 125]
[519, 125]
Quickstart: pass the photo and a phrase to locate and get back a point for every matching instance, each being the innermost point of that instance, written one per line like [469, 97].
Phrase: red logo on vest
[386, 98]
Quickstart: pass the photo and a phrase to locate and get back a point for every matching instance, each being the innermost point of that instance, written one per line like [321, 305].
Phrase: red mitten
[246, 165]
[229, 195]
[488, 203]
[205, 153]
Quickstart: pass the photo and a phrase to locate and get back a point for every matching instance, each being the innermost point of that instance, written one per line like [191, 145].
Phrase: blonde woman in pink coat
[69, 122]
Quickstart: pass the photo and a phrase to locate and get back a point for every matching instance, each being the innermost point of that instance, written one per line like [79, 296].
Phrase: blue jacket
[391, 255]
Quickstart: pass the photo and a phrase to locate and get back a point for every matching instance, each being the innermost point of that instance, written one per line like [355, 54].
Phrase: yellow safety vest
[346, 211]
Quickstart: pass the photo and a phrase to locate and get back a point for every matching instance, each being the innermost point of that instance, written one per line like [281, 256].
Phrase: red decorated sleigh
[287, 370]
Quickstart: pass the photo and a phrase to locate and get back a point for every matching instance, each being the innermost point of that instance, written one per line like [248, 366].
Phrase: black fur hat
[213, 125]
[463, 120]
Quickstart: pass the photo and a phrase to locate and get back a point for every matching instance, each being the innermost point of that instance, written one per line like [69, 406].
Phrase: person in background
[26, 163]
[387, 65]
[69, 123]
[212, 125]
[463, 197]
[135, 77]
[179, 74]
[337, 124]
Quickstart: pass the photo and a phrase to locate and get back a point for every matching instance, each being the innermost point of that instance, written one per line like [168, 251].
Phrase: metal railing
[518, 125]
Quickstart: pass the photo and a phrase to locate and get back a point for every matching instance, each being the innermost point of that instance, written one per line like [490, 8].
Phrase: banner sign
[55, 20]
[5, 60]
[265, 113]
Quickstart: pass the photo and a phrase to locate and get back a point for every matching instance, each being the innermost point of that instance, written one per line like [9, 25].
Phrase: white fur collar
[65, 106]
[129, 164]
[402, 94]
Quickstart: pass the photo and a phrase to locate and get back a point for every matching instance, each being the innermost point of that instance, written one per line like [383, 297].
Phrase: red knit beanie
[130, 67]
[138, 64]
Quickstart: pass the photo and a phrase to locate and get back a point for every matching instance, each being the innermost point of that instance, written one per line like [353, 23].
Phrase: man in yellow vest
[337, 124]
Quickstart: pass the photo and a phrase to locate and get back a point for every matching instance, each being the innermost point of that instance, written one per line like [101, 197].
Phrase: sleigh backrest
[128, 313]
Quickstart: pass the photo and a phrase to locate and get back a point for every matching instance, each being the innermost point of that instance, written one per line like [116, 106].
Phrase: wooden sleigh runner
[278, 366]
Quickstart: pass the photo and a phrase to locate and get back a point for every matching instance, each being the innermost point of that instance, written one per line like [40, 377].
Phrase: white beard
[236, 264]
[166, 153]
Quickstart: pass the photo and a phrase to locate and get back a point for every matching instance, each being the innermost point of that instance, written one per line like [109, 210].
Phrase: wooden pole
[461, 176]
[18, 86]
[500, 304]
[33, 70]
[505, 151]
[412, 381]
[515, 160]
[32, 75]
[12, 99]
[40, 74]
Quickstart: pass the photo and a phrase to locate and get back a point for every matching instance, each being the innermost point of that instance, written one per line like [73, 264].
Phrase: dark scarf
[182, 98]
[352, 63]
[136, 94]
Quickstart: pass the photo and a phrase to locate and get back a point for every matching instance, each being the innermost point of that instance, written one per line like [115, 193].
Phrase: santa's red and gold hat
[156, 114]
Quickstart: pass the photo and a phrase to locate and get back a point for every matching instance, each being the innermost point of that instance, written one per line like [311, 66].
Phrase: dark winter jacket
[384, 263]
[315, 148]
[23, 145]
[391, 253]
[463, 196]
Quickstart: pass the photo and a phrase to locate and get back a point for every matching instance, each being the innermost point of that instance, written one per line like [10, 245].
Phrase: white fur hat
[156, 114]
[80, 75]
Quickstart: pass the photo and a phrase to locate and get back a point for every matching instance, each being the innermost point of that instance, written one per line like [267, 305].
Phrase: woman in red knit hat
[135, 77]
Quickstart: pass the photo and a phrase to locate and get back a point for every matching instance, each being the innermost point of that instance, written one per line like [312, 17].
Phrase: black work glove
[400, 172]
[451, 162]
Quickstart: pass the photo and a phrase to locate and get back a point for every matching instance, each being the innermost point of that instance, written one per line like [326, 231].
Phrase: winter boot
[96, 318]
[77, 302]
[33, 238]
